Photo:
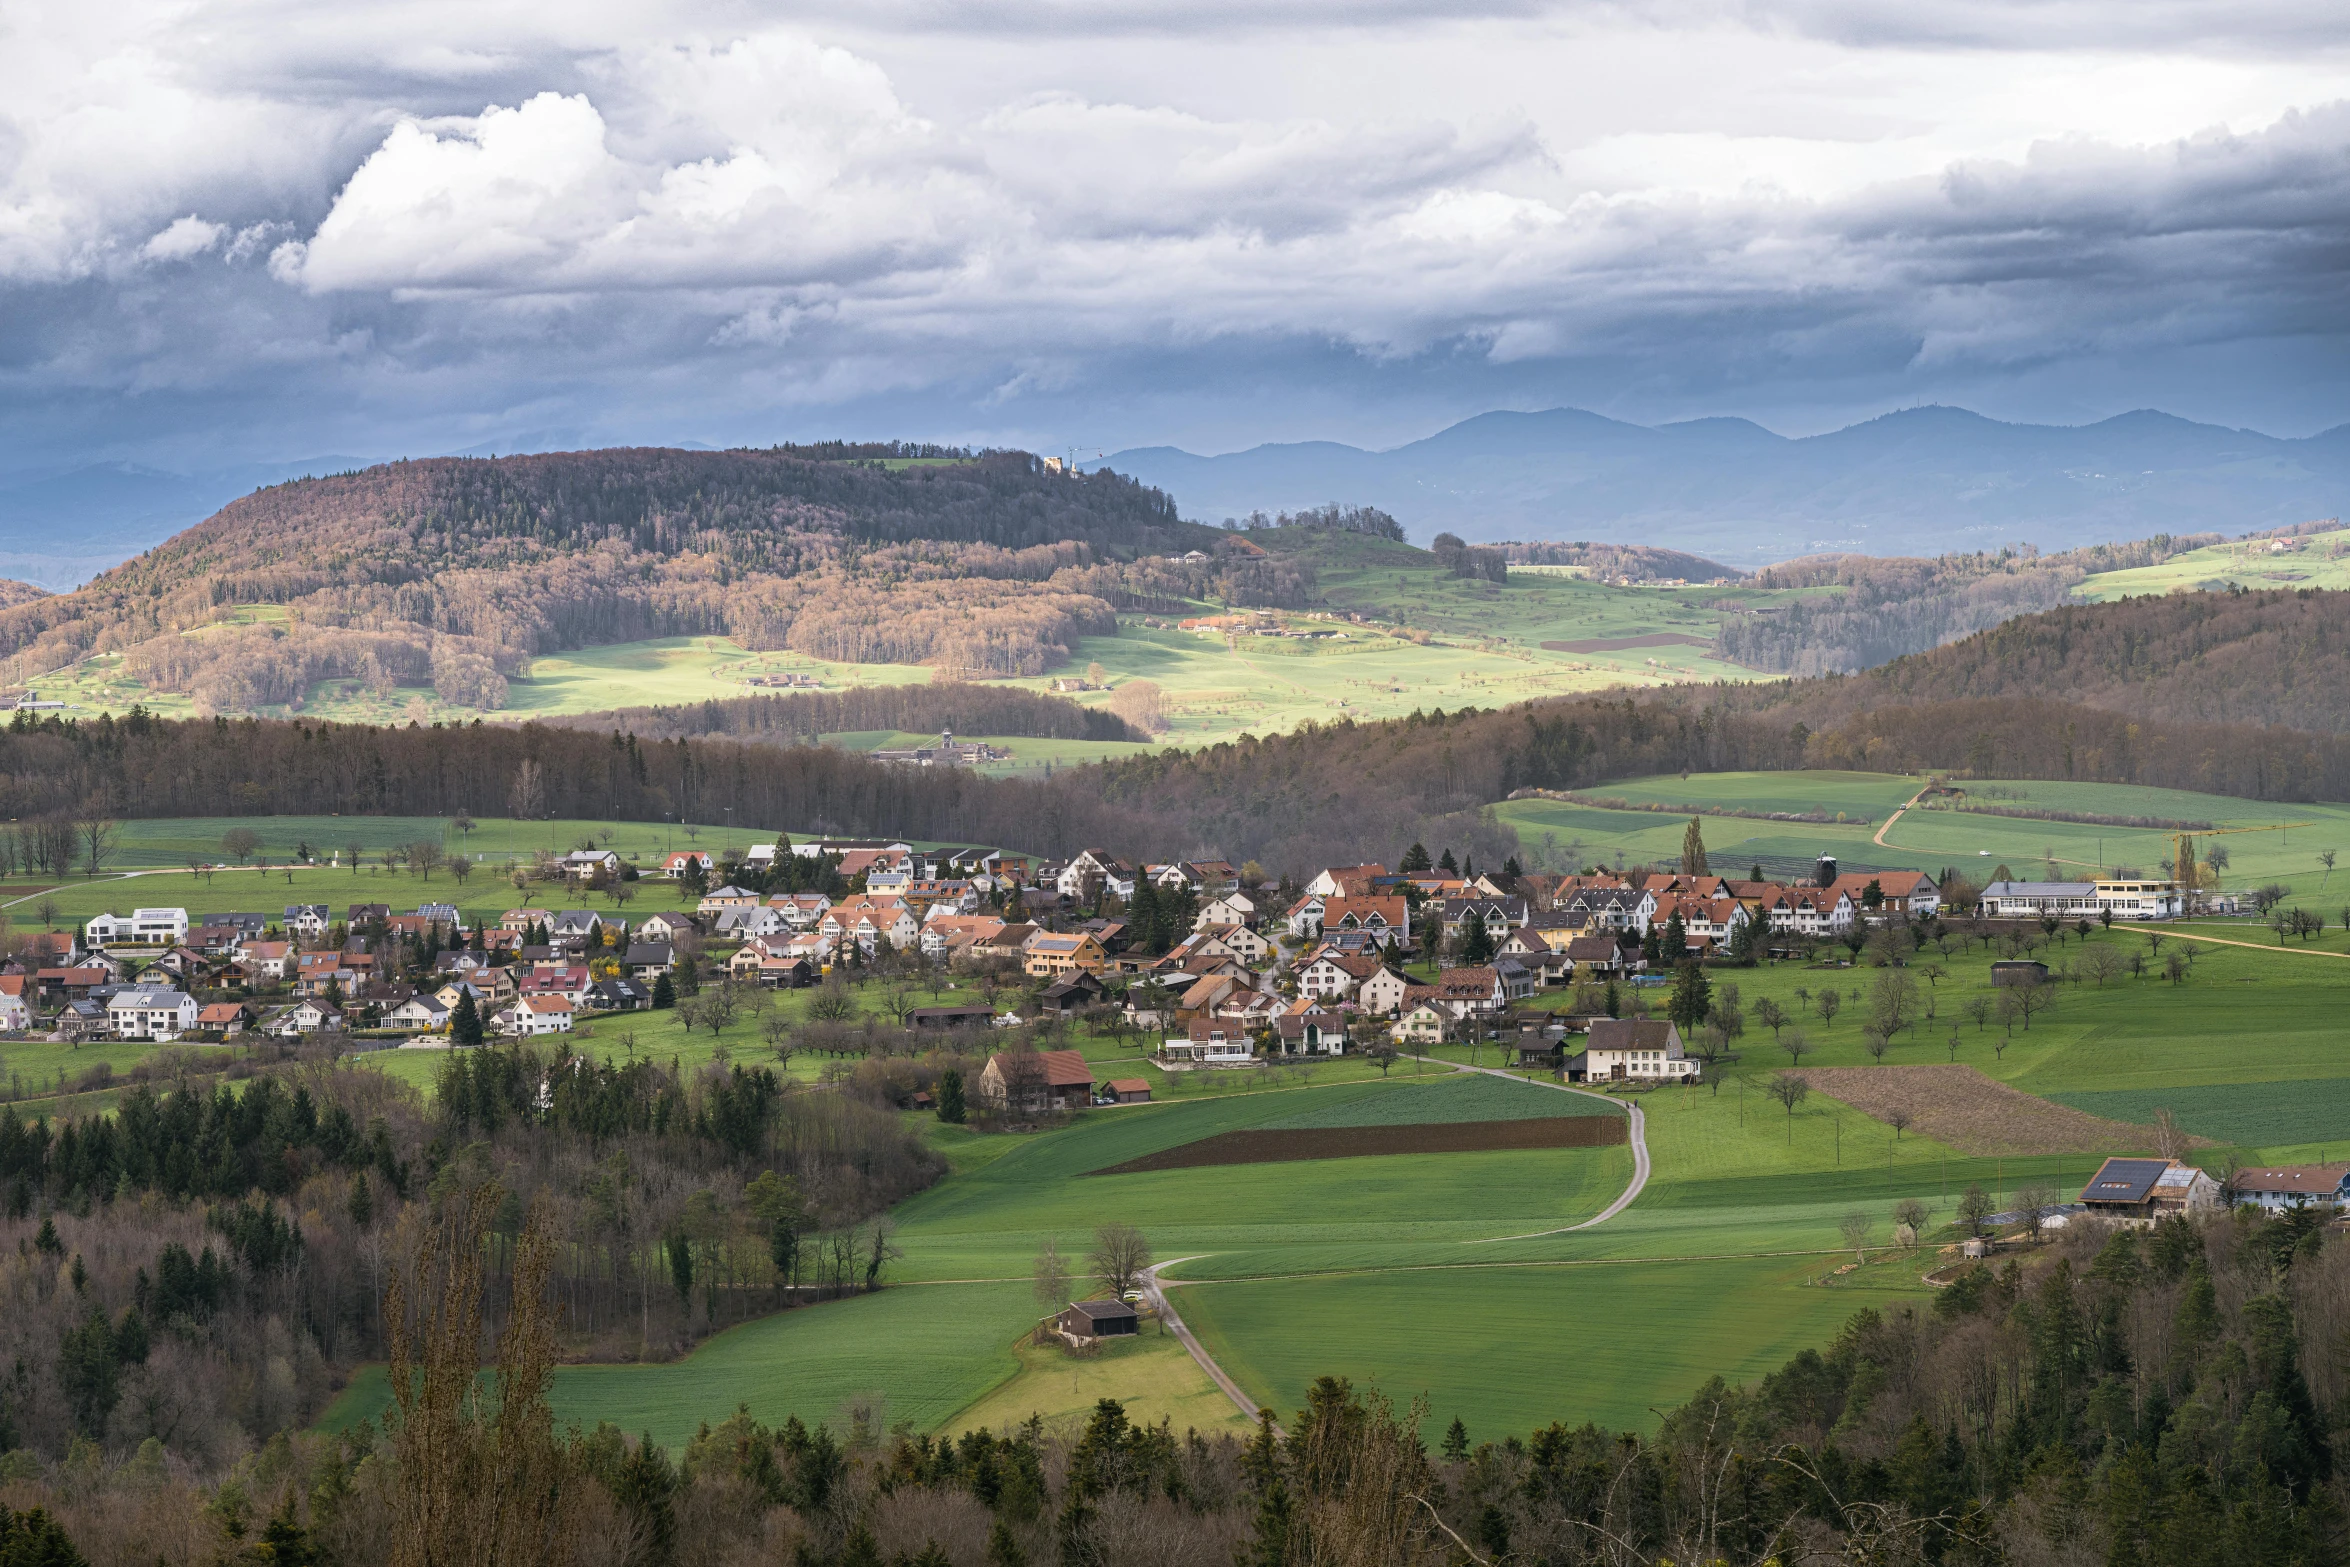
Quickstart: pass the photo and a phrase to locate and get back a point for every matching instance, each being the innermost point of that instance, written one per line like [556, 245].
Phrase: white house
[2034, 899]
[428, 1013]
[141, 1013]
[536, 1015]
[2140, 900]
[15, 1014]
[1645, 1049]
[140, 928]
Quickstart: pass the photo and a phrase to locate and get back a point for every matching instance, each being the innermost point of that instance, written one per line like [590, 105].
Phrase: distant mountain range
[59, 529]
[1917, 482]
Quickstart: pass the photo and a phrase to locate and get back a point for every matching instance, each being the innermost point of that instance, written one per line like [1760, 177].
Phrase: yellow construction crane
[2188, 874]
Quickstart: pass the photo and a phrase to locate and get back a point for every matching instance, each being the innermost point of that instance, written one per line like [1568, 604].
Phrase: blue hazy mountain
[1920, 481]
[59, 529]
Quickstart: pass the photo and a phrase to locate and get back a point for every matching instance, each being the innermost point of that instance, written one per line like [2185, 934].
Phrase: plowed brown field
[1356, 1142]
[1976, 1114]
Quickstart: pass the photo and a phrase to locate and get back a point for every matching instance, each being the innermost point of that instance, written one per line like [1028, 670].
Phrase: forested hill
[2273, 657]
[457, 570]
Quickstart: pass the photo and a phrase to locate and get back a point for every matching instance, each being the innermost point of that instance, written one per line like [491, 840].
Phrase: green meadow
[2322, 560]
[1933, 836]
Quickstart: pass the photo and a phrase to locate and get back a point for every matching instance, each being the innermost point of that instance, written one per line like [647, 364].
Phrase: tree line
[205, 1266]
[966, 707]
[2161, 1398]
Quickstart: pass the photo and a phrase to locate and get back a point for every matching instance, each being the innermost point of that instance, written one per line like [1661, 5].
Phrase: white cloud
[186, 239]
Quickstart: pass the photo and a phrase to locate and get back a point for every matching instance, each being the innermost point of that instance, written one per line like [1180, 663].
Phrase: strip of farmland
[1263, 1146]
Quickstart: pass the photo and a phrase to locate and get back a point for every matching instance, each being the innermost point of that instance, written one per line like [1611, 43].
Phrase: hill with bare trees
[456, 571]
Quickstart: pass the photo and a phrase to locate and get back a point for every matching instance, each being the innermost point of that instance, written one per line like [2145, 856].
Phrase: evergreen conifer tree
[1415, 860]
[664, 993]
[950, 1097]
[465, 1023]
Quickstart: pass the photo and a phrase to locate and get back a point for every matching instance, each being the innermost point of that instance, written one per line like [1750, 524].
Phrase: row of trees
[2167, 1398]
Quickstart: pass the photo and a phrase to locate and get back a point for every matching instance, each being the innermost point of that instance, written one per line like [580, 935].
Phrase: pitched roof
[2124, 1180]
[1626, 1033]
[2308, 1180]
[1062, 1068]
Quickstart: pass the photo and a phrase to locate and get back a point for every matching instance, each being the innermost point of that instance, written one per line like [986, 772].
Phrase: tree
[527, 798]
[1381, 1053]
[1978, 1007]
[1051, 1277]
[1692, 997]
[1476, 947]
[2033, 1204]
[1415, 861]
[1874, 1041]
[1854, 1227]
[1120, 1257]
[1830, 1003]
[1770, 1015]
[1796, 1046]
[465, 1022]
[1693, 849]
[424, 857]
[461, 867]
[1974, 1208]
[664, 992]
[352, 851]
[1912, 1215]
[951, 1108]
[1789, 1090]
[1900, 1120]
[2325, 857]
[240, 844]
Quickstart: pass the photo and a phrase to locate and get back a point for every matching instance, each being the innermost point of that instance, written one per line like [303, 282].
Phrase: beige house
[1635, 1050]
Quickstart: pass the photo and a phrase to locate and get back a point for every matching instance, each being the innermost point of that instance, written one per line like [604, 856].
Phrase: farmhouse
[1035, 1080]
[2140, 1191]
[1049, 955]
[1635, 1050]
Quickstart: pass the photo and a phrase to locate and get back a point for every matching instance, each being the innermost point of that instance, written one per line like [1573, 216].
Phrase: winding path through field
[2229, 941]
[1156, 1288]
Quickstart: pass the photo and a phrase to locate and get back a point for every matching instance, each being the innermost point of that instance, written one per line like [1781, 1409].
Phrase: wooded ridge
[458, 570]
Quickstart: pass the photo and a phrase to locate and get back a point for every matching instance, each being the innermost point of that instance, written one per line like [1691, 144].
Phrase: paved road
[1157, 1289]
[1183, 1335]
[1640, 1164]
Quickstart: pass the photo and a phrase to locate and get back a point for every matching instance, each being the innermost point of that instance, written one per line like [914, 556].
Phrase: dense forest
[458, 570]
[2273, 656]
[2163, 1398]
[1887, 606]
[208, 1263]
[963, 706]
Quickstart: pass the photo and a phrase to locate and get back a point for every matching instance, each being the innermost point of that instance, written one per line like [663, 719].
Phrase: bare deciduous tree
[1120, 1255]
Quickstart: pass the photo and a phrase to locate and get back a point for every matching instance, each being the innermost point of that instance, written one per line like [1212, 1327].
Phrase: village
[1221, 966]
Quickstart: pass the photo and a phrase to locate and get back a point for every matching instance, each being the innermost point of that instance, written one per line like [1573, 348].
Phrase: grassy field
[1435, 640]
[2321, 561]
[915, 1353]
[1151, 1373]
[1555, 832]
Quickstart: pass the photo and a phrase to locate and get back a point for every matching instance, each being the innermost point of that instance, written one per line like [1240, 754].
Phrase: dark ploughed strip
[1260, 1146]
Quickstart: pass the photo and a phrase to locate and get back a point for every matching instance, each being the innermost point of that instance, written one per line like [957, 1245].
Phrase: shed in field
[1084, 1321]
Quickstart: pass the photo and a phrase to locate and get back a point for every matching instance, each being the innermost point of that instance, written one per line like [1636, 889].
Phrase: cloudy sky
[266, 230]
